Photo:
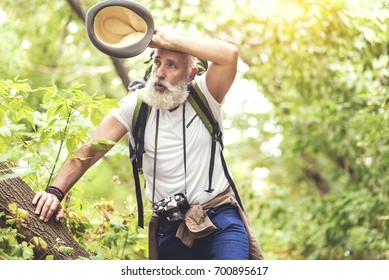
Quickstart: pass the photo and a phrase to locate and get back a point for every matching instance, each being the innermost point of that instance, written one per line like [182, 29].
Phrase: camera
[172, 208]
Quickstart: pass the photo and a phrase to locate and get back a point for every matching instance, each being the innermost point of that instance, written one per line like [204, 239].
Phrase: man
[225, 234]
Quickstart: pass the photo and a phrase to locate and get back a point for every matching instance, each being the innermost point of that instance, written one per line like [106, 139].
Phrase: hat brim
[120, 28]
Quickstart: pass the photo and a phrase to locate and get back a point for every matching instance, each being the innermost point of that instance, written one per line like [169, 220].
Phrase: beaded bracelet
[55, 191]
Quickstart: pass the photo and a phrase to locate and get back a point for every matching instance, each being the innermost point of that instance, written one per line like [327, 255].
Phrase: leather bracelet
[55, 191]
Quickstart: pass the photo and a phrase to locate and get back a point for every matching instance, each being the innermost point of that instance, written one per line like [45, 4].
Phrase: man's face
[169, 66]
[167, 86]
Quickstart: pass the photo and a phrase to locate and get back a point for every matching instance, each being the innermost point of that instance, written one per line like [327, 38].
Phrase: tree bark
[55, 234]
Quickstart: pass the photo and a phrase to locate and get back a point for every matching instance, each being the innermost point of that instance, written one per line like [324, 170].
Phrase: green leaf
[112, 236]
[28, 253]
[28, 116]
[24, 87]
[65, 249]
[78, 95]
[96, 118]
[17, 172]
[77, 86]
[48, 95]
[45, 136]
[17, 113]
[8, 176]
[39, 243]
[12, 207]
[17, 251]
[22, 213]
[103, 145]
[10, 221]
[70, 144]
[80, 158]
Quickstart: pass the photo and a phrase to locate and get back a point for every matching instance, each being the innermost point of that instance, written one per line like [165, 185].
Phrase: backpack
[141, 114]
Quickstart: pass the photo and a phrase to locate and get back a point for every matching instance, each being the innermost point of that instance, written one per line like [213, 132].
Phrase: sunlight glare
[271, 147]
[86, 54]
[194, 2]
[72, 27]
[260, 175]
[252, 132]
[278, 8]
[26, 44]
[3, 16]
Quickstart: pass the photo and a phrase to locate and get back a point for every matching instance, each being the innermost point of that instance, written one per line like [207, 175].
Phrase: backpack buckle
[217, 136]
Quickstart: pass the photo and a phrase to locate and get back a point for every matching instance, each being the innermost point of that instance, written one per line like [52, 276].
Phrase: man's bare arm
[73, 169]
[223, 58]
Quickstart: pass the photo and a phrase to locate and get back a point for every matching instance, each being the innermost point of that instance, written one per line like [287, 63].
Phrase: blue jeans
[228, 242]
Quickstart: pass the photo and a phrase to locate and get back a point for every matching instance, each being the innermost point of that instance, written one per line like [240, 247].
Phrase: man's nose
[160, 72]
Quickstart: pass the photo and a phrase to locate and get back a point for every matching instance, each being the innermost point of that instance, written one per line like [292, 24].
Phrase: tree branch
[311, 171]
[118, 63]
[77, 8]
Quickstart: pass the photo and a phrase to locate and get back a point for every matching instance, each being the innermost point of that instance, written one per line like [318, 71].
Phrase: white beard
[167, 99]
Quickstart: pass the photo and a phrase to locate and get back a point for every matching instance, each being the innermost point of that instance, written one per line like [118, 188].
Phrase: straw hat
[120, 28]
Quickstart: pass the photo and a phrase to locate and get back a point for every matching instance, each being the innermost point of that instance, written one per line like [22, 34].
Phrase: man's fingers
[60, 214]
[52, 207]
[46, 205]
[37, 197]
[41, 199]
[46, 208]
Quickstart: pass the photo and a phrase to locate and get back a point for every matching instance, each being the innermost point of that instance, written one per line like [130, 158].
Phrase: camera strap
[184, 142]
[156, 148]
[155, 155]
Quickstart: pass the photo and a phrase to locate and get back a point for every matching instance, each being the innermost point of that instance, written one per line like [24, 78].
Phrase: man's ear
[193, 74]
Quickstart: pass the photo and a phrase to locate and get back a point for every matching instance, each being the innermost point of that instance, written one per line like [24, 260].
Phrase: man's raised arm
[223, 58]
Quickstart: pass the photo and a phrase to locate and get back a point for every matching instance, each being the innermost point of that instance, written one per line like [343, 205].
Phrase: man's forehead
[170, 55]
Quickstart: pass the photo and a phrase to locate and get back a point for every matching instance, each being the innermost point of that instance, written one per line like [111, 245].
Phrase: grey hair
[191, 61]
[191, 65]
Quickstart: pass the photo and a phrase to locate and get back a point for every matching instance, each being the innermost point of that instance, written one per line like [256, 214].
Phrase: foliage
[11, 249]
[317, 187]
[44, 140]
[106, 232]
[325, 69]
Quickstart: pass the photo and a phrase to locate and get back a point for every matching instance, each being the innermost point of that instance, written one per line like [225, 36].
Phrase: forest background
[306, 121]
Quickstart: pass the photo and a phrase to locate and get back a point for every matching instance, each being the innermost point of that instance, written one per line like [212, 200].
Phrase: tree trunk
[14, 191]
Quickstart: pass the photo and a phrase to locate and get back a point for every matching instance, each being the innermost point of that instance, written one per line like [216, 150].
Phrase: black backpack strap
[138, 190]
[141, 114]
[139, 132]
[201, 106]
[230, 181]
[211, 167]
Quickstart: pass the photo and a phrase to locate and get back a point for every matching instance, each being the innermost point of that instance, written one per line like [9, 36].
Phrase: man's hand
[46, 205]
[157, 40]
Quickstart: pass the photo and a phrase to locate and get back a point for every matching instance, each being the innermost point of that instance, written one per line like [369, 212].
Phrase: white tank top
[170, 172]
